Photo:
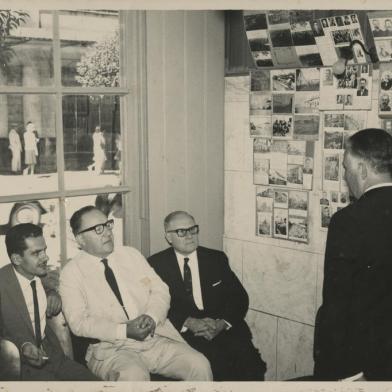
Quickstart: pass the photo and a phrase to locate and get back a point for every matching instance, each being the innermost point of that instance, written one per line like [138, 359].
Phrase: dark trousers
[58, 367]
[232, 356]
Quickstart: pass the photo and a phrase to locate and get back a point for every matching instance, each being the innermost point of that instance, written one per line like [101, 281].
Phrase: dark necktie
[188, 278]
[111, 279]
[37, 320]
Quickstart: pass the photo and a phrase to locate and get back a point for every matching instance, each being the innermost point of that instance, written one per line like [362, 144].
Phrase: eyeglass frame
[188, 230]
[109, 224]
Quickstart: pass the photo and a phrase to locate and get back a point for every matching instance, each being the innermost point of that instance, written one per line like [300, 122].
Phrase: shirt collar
[180, 256]
[95, 260]
[381, 185]
[23, 281]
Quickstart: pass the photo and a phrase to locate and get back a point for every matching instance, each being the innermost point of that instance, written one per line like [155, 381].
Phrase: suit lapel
[174, 271]
[15, 294]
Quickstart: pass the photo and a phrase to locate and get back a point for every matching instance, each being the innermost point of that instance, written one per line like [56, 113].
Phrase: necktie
[188, 278]
[37, 320]
[111, 279]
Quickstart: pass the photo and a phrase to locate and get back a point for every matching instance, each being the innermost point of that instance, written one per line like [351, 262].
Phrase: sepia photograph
[331, 167]
[260, 103]
[264, 224]
[260, 80]
[333, 140]
[306, 127]
[307, 102]
[282, 103]
[298, 228]
[308, 79]
[280, 223]
[282, 126]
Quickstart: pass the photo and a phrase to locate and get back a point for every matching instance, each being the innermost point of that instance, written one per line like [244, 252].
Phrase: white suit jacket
[92, 310]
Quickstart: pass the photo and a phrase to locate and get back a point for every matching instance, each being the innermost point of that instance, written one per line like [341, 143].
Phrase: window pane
[90, 48]
[40, 212]
[27, 144]
[26, 48]
[92, 141]
[109, 203]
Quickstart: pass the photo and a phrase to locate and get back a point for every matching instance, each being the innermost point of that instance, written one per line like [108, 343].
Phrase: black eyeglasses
[100, 227]
[182, 232]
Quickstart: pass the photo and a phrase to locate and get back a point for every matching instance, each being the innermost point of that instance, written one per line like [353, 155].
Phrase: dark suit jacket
[223, 295]
[15, 323]
[354, 324]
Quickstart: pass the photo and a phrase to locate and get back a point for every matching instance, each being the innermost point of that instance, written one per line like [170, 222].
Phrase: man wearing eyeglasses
[114, 296]
[208, 302]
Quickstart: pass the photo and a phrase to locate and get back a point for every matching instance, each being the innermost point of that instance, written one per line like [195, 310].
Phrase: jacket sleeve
[236, 301]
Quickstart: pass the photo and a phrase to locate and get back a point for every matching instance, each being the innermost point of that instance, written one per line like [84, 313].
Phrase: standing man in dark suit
[208, 302]
[353, 336]
[23, 308]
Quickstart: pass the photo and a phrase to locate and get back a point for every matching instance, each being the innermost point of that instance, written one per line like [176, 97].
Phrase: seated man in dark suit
[208, 302]
[23, 307]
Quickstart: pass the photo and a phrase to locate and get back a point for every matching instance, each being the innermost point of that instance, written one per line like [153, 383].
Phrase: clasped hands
[140, 327]
[33, 355]
[207, 328]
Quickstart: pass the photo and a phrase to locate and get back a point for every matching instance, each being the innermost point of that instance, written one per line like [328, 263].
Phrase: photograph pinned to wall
[282, 103]
[278, 163]
[298, 228]
[322, 33]
[295, 176]
[333, 140]
[331, 202]
[381, 27]
[302, 34]
[278, 18]
[307, 79]
[306, 127]
[282, 126]
[283, 79]
[260, 126]
[260, 103]
[355, 120]
[296, 150]
[387, 125]
[384, 49]
[309, 56]
[298, 203]
[260, 169]
[331, 171]
[307, 102]
[260, 80]
[264, 224]
[257, 34]
[237, 88]
[333, 120]
[262, 145]
[351, 92]
[264, 203]
[281, 198]
[280, 223]
[285, 57]
[385, 91]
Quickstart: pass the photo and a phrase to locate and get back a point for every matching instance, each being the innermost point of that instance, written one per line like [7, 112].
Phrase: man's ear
[16, 259]
[168, 238]
[363, 170]
[80, 241]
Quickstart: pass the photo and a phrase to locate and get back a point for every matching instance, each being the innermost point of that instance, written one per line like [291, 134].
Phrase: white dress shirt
[381, 185]
[194, 267]
[28, 297]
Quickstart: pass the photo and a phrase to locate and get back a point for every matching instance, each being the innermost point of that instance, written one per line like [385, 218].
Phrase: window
[63, 90]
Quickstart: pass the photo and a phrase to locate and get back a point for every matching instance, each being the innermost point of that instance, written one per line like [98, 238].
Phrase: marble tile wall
[284, 279]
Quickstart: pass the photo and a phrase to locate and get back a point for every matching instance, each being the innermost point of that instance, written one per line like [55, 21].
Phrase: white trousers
[134, 362]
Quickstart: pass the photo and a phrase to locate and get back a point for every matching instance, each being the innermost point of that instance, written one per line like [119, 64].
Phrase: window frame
[133, 125]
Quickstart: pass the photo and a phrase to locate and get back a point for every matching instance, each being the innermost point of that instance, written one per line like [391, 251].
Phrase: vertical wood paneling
[215, 114]
[185, 72]
[156, 123]
[195, 71]
[175, 111]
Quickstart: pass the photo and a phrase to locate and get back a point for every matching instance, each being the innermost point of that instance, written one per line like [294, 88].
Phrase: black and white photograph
[280, 223]
[331, 167]
[302, 34]
[341, 37]
[317, 29]
[333, 140]
[260, 80]
[283, 80]
[308, 79]
[262, 145]
[281, 199]
[260, 103]
[264, 224]
[255, 22]
[260, 126]
[281, 38]
[277, 17]
[264, 204]
[298, 201]
[333, 120]
[306, 127]
[308, 166]
[282, 126]
[263, 58]
[354, 120]
[384, 49]
[385, 102]
[298, 228]
[307, 102]
[259, 44]
[295, 175]
[309, 55]
[260, 169]
[327, 76]
[282, 103]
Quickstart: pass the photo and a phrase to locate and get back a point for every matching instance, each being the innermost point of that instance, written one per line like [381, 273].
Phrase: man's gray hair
[173, 215]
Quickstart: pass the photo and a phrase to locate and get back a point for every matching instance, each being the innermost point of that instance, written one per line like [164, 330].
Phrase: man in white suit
[116, 297]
